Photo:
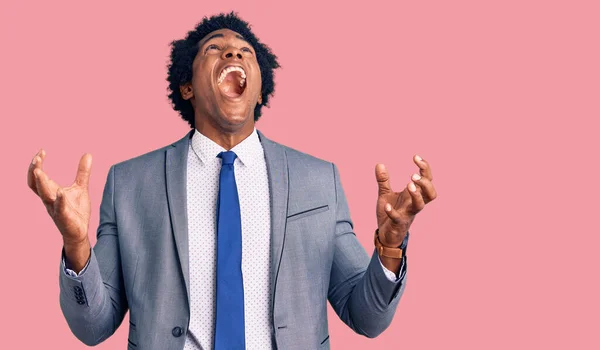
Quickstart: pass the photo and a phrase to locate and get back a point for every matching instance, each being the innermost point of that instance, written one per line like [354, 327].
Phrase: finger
[383, 179]
[427, 190]
[417, 199]
[84, 170]
[60, 204]
[36, 162]
[424, 167]
[393, 214]
[43, 187]
[404, 201]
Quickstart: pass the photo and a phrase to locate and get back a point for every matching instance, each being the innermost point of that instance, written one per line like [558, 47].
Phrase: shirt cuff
[390, 274]
[70, 272]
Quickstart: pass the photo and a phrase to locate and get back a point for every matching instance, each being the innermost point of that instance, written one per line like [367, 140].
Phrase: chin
[233, 119]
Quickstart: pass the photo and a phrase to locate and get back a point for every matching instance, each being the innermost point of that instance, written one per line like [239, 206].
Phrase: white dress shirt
[203, 168]
[250, 168]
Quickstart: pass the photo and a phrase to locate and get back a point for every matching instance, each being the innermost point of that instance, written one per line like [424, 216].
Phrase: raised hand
[396, 210]
[69, 207]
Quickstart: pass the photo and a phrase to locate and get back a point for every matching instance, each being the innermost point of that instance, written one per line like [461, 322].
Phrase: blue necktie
[229, 329]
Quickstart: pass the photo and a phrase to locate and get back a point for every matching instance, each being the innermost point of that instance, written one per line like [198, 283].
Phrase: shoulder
[151, 161]
[303, 165]
[311, 180]
[298, 158]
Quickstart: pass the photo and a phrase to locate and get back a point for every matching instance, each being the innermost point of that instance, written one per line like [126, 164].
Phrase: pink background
[501, 97]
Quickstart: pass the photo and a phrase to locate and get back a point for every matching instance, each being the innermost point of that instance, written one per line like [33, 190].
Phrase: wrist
[389, 240]
[77, 254]
[76, 242]
[388, 251]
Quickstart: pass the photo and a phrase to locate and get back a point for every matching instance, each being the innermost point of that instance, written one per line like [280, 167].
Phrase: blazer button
[177, 332]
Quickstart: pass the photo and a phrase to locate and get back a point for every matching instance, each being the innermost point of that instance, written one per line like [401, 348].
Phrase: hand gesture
[69, 207]
[396, 210]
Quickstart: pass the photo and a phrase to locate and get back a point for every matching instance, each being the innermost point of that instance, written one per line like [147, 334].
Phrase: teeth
[232, 69]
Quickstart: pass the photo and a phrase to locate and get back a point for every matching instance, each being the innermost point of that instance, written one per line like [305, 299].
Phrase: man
[226, 239]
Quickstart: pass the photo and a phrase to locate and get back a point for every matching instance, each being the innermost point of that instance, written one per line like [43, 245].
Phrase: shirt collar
[207, 150]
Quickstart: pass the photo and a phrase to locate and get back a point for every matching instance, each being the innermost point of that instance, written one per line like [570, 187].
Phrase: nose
[232, 52]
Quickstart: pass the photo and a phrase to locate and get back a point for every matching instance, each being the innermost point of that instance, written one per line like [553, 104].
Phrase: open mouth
[232, 81]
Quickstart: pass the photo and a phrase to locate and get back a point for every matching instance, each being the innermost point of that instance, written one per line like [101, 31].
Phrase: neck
[225, 137]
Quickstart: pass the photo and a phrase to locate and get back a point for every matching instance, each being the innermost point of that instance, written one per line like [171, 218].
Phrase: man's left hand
[396, 210]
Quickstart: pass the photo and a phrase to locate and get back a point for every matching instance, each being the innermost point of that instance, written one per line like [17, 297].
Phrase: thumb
[84, 170]
[383, 179]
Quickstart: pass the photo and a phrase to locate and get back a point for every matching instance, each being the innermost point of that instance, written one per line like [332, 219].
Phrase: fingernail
[412, 187]
[388, 207]
[416, 177]
[418, 158]
[34, 160]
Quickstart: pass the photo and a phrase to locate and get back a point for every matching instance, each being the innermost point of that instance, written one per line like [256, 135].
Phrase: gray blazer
[141, 262]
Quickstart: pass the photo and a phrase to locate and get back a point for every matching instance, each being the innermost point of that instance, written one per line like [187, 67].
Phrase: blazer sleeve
[359, 291]
[94, 302]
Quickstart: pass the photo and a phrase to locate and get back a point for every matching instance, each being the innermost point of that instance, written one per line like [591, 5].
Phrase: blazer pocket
[325, 343]
[308, 212]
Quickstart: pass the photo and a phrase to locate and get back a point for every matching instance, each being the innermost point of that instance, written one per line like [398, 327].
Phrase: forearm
[92, 309]
[374, 300]
[361, 293]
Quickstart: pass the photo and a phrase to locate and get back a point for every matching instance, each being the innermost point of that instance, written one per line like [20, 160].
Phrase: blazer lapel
[277, 171]
[176, 175]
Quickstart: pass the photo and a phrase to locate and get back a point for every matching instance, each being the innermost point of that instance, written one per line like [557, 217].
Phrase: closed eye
[211, 47]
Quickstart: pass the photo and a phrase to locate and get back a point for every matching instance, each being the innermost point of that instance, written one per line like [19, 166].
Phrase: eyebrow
[219, 35]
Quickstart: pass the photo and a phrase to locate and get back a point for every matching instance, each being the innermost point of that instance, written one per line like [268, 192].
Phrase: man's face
[226, 81]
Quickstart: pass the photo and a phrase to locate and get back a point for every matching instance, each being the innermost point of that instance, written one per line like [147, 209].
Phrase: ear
[186, 91]
[260, 99]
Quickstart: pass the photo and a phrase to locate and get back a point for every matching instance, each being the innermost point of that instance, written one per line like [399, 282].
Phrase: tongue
[231, 85]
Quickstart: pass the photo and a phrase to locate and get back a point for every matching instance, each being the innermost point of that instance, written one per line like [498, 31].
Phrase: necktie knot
[228, 157]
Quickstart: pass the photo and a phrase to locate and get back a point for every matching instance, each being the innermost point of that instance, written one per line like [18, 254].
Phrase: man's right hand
[69, 207]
